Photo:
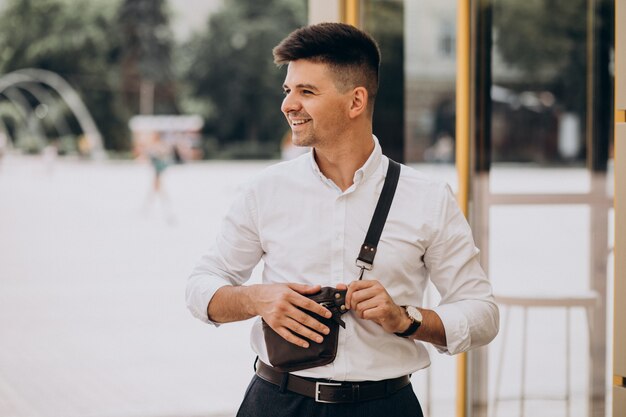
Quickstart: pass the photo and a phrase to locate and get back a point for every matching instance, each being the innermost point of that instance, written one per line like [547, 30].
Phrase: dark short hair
[351, 54]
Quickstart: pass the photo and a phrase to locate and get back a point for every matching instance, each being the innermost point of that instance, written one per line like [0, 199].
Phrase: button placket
[337, 271]
[337, 245]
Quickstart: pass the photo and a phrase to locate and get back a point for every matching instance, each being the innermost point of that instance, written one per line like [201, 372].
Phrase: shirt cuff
[200, 291]
[456, 327]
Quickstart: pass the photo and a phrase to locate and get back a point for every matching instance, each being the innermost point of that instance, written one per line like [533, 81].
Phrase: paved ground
[92, 315]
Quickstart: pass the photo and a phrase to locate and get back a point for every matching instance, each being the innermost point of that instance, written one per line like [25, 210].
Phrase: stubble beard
[307, 139]
[303, 140]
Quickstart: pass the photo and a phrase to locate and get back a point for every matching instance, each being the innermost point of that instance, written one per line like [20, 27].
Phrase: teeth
[298, 122]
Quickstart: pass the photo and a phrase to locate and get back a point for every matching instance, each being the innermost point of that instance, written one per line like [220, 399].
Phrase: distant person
[307, 218]
[161, 155]
[160, 158]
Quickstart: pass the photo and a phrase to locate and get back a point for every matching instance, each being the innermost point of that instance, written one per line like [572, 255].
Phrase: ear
[358, 106]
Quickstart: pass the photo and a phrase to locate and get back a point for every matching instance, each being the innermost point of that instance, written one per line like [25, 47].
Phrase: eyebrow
[303, 87]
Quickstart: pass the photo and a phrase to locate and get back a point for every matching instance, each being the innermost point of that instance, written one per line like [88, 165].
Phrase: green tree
[76, 40]
[229, 68]
[146, 56]
[546, 40]
[385, 22]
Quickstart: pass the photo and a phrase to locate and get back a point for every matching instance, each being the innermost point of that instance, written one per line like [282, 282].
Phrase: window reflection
[542, 151]
[430, 78]
[539, 70]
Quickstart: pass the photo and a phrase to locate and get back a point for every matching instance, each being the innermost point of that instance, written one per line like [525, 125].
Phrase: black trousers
[264, 399]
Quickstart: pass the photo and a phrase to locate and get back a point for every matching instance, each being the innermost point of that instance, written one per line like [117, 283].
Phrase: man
[307, 218]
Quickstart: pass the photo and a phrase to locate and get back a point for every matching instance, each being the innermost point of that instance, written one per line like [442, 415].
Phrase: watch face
[414, 313]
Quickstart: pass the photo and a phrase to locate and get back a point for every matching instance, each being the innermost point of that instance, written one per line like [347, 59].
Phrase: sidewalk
[92, 315]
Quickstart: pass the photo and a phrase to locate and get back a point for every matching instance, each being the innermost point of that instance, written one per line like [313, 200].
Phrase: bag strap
[365, 260]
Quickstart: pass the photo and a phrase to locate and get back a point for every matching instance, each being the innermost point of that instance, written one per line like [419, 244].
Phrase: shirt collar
[369, 167]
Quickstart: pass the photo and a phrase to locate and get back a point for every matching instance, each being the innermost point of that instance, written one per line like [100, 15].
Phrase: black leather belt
[324, 391]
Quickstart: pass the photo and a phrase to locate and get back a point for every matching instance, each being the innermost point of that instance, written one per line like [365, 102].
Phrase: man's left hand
[371, 301]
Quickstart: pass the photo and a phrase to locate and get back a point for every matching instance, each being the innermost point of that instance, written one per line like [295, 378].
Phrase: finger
[348, 297]
[360, 295]
[352, 288]
[286, 334]
[306, 303]
[368, 309]
[304, 331]
[305, 289]
[363, 283]
[310, 305]
[305, 319]
[355, 286]
[376, 314]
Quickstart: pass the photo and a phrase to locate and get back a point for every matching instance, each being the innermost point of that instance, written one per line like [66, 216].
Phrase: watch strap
[412, 327]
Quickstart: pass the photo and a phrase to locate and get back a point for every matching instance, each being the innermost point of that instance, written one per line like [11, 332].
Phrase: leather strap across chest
[365, 260]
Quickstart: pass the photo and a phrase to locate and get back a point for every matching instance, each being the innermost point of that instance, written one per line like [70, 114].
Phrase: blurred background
[123, 58]
[128, 126]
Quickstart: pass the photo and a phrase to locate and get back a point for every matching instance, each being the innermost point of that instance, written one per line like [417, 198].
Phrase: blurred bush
[79, 41]
[122, 58]
[229, 76]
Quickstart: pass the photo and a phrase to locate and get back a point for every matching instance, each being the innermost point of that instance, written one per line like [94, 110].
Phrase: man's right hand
[279, 305]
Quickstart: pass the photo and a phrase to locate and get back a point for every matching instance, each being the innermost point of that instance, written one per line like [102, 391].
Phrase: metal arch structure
[25, 110]
[5, 131]
[67, 94]
[44, 97]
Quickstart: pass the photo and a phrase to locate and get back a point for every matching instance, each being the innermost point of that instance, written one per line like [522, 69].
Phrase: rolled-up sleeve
[231, 259]
[467, 309]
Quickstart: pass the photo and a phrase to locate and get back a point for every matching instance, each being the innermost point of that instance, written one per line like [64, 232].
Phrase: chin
[302, 142]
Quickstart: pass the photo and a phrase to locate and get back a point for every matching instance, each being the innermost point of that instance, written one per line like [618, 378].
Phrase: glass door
[541, 185]
[542, 202]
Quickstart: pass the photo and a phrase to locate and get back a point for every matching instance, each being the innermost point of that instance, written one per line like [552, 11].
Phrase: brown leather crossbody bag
[286, 356]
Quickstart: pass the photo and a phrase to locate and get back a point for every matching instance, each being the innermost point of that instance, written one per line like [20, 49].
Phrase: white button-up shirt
[306, 230]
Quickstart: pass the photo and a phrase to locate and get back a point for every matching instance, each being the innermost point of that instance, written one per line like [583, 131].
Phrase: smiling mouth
[299, 122]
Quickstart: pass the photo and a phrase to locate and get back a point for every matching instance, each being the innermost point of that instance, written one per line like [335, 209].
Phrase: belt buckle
[317, 390]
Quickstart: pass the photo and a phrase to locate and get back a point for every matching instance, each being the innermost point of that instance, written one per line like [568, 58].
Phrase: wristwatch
[416, 321]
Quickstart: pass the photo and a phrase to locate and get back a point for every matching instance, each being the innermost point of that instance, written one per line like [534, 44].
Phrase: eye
[286, 91]
[307, 92]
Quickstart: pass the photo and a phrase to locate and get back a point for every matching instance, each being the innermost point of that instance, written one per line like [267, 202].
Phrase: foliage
[546, 40]
[146, 53]
[230, 68]
[384, 21]
[78, 41]
[107, 49]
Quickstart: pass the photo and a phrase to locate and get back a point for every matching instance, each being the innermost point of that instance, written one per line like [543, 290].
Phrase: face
[316, 111]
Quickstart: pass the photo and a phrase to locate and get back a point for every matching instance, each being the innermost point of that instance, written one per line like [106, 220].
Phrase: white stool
[586, 300]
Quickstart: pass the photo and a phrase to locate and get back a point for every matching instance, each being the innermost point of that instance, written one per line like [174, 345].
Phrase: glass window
[541, 195]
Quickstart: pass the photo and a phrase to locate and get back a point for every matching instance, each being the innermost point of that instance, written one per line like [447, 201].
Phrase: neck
[344, 158]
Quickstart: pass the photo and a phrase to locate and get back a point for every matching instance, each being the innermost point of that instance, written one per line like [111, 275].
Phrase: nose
[290, 103]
